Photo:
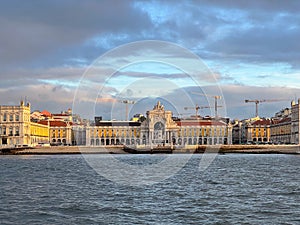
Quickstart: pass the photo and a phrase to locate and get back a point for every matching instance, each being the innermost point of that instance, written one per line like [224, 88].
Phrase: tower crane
[114, 100]
[256, 101]
[126, 102]
[216, 97]
[197, 108]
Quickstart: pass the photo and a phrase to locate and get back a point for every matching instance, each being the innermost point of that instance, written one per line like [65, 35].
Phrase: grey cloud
[253, 31]
[292, 6]
[55, 31]
[31, 29]
[44, 41]
[20, 78]
[261, 45]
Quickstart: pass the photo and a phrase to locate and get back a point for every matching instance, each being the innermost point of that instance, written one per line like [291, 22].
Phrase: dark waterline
[235, 189]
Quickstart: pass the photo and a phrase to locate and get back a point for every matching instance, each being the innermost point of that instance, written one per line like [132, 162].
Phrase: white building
[295, 108]
[15, 125]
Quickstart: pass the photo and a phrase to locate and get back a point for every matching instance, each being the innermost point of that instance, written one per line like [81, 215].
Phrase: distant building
[286, 112]
[63, 127]
[242, 131]
[237, 132]
[295, 118]
[251, 131]
[158, 128]
[37, 116]
[63, 116]
[16, 128]
[15, 125]
[259, 131]
[60, 132]
[281, 130]
[112, 133]
[204, 132]
[20, 128]
[138, 117]
[79, 134]
[39, 134]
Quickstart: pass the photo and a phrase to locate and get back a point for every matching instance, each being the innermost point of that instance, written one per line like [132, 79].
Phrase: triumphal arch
[159, 129]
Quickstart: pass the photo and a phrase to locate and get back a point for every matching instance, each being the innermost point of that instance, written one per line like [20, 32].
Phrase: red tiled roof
[200, 123]
[46, 113]
[60, 114]
[261, 122]
[283, 120]
[55, 123]
[287, 119]
[275, 121]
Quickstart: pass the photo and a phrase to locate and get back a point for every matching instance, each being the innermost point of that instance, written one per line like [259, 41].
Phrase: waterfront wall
[257, 149]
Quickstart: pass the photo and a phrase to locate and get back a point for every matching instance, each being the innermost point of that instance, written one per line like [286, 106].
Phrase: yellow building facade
[61, 133]
[159, 129]
[39, 133]
[113, 133]
[204, 132]
[259, 131]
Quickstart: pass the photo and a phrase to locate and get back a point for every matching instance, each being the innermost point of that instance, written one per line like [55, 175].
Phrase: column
[87, 136]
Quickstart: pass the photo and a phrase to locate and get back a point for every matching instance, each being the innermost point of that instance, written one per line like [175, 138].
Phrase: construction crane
[126, 102]
[197, 108]
[114, 100]
[216, 97]
[260, 101]
[181, 114]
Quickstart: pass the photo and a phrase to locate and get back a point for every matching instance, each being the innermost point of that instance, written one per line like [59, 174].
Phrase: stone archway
[159, 133]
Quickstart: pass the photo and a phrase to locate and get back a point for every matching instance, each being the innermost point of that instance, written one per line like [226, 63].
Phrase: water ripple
[235, 189]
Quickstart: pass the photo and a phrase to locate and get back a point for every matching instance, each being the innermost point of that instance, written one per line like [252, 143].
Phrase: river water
[235, 189]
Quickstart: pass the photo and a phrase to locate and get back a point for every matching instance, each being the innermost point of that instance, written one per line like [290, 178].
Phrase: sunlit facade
[39, 133]
[295, 117]
[113, 133]
[258, 131]
[60, 132]
[159, 129]
[204, 132]
[15, 125]
[281, 131]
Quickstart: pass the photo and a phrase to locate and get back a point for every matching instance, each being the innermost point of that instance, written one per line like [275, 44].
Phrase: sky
[92, 55]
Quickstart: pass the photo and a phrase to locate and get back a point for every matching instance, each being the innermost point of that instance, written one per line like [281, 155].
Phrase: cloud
[232, 103]
[46, 46]
[55, 31]
[31, 31]
[257, 31]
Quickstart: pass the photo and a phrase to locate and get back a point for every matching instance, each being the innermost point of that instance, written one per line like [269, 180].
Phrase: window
[4, 117]
[4, 130]
[10, 131]
[11, 117]
[17, 117]
[17, 131]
